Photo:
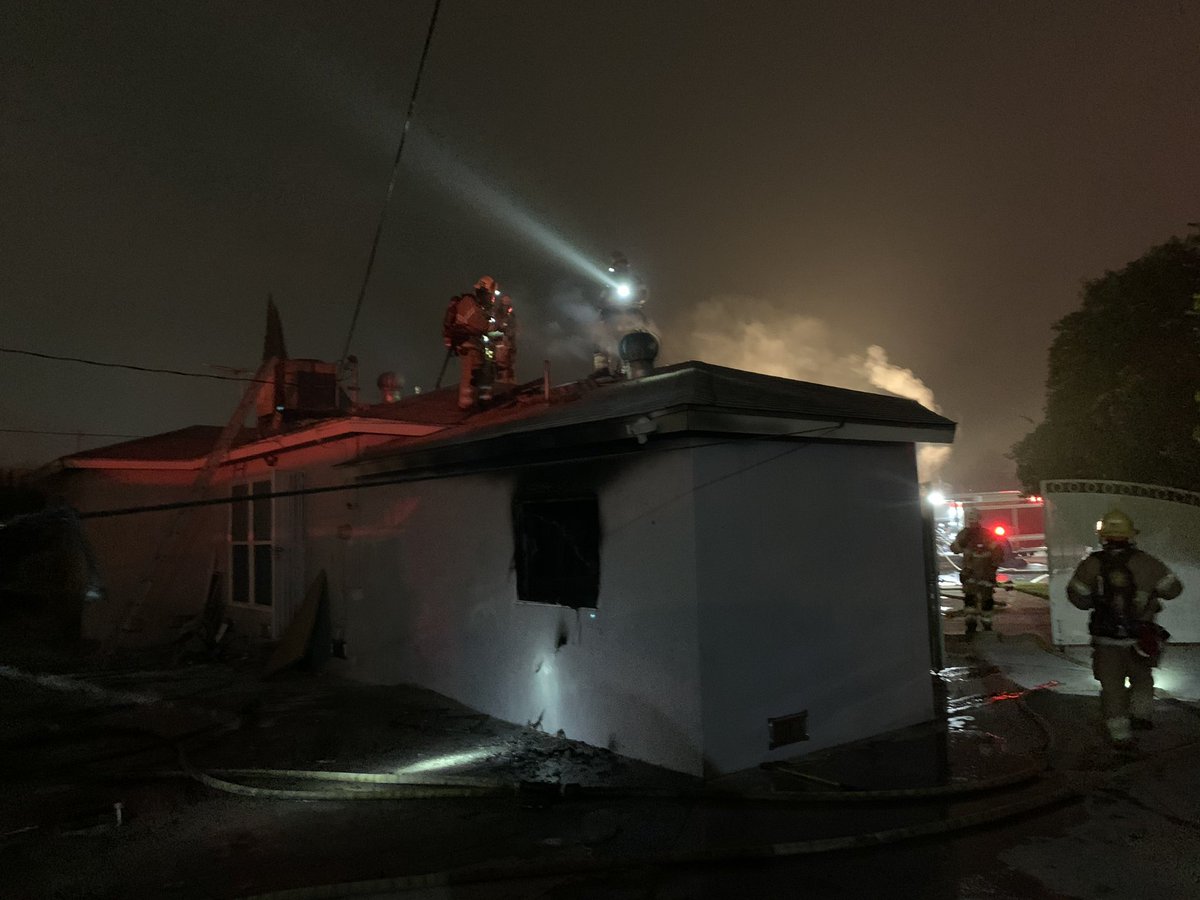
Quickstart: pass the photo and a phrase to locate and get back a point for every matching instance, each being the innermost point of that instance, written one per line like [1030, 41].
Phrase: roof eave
[328, 430]
[640, 427]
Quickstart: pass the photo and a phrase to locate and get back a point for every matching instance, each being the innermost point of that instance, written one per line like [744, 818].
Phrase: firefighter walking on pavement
[981, 556]
[1123, 588]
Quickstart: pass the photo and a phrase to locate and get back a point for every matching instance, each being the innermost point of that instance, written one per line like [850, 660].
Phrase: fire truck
[1017, 520]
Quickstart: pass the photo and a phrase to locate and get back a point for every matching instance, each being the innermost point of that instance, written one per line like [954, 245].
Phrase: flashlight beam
[474, 191]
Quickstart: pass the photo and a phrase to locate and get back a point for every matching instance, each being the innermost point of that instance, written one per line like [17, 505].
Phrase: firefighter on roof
[503, 333]
[981, 555]
[1123, 587]
[465, 331]
[620, 306]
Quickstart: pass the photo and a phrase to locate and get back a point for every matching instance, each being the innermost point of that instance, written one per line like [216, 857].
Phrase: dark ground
[68, 755]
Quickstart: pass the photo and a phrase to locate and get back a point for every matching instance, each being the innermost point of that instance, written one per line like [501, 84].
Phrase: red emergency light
[999, 530]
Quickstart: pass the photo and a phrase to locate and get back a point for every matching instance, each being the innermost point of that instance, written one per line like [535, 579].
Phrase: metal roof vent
[638, 351]
[390, 387]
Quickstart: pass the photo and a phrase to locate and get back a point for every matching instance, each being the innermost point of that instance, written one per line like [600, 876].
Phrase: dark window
[262, 511]
[262, 574]
[237, 515]
[240, 581]
[558, 551]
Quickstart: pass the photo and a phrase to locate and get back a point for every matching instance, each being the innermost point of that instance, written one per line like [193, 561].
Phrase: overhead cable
[387, 197]
[495, 466]
[102, 434]
[130, 366]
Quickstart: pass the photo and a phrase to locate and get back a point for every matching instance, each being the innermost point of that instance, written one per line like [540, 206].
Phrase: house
[702, 567]
[256, 546]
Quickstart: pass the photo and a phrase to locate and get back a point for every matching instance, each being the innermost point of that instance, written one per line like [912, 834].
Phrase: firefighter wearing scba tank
[620, 306]
[1123, 587]
[503, 332]
[981, 555]
[465, 331]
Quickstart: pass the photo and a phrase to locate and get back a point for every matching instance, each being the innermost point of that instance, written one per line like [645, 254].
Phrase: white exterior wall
[1168, 528]
[428, 595]
[124, 547]
[812, 595]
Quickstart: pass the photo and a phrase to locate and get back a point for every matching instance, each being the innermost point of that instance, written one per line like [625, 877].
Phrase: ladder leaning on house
[159, 573]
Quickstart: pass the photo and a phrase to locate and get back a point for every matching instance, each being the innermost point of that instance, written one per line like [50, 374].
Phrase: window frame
[247, 536]
[536, 583]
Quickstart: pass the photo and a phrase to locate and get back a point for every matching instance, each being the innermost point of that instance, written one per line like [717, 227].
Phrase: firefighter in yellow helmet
[465, 331]
[1123, 587]
[981, 556]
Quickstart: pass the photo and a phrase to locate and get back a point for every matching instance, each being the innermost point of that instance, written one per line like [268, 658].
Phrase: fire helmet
[487, 283]
[617, 262]
[1116, 526]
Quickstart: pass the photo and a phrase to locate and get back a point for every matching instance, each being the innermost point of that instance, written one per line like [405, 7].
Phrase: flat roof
[690, 397]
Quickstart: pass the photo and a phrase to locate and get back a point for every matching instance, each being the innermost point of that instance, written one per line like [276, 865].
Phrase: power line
[412, 105]
[101, 434]
[130, 366]
[424, 474]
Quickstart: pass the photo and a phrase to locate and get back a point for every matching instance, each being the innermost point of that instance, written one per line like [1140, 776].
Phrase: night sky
[797, 183]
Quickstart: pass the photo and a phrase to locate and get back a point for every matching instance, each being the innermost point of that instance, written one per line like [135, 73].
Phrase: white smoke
[574, 330]
[758, 336]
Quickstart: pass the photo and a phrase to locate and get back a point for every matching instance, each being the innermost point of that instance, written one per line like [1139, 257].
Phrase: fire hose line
[377, 787]
[372, 786]
[509, 871]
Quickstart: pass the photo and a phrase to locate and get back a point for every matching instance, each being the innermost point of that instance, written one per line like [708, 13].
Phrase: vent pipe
[390, 387]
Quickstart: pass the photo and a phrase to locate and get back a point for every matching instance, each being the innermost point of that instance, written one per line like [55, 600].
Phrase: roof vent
[638, 351]
[390, 387]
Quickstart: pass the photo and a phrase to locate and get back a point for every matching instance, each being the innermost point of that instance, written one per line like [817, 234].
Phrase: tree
[1123, 380]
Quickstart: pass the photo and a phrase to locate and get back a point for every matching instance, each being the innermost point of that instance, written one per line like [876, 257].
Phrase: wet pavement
[1095, 823]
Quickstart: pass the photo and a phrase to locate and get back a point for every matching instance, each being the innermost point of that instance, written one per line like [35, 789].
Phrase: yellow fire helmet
[1116, 526]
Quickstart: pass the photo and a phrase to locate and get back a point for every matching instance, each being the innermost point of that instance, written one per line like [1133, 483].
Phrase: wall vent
[784, 730]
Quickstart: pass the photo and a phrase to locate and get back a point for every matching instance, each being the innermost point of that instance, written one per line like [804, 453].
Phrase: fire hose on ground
[523, 870]
[376, 786]
[369, 786]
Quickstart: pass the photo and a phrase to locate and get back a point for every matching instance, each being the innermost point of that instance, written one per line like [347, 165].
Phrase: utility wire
[131, 367]
[69, 433]
[456, 471]
[412, 105]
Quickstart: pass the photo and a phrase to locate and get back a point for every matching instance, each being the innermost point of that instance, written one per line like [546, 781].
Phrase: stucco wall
[428, 595]
[1168, 528]
[125, 546]
[811, 594]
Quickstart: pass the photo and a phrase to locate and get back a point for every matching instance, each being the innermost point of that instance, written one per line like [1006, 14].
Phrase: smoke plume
[752, 334]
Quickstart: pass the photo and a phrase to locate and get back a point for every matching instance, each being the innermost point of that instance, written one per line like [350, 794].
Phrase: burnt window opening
[558, 551]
